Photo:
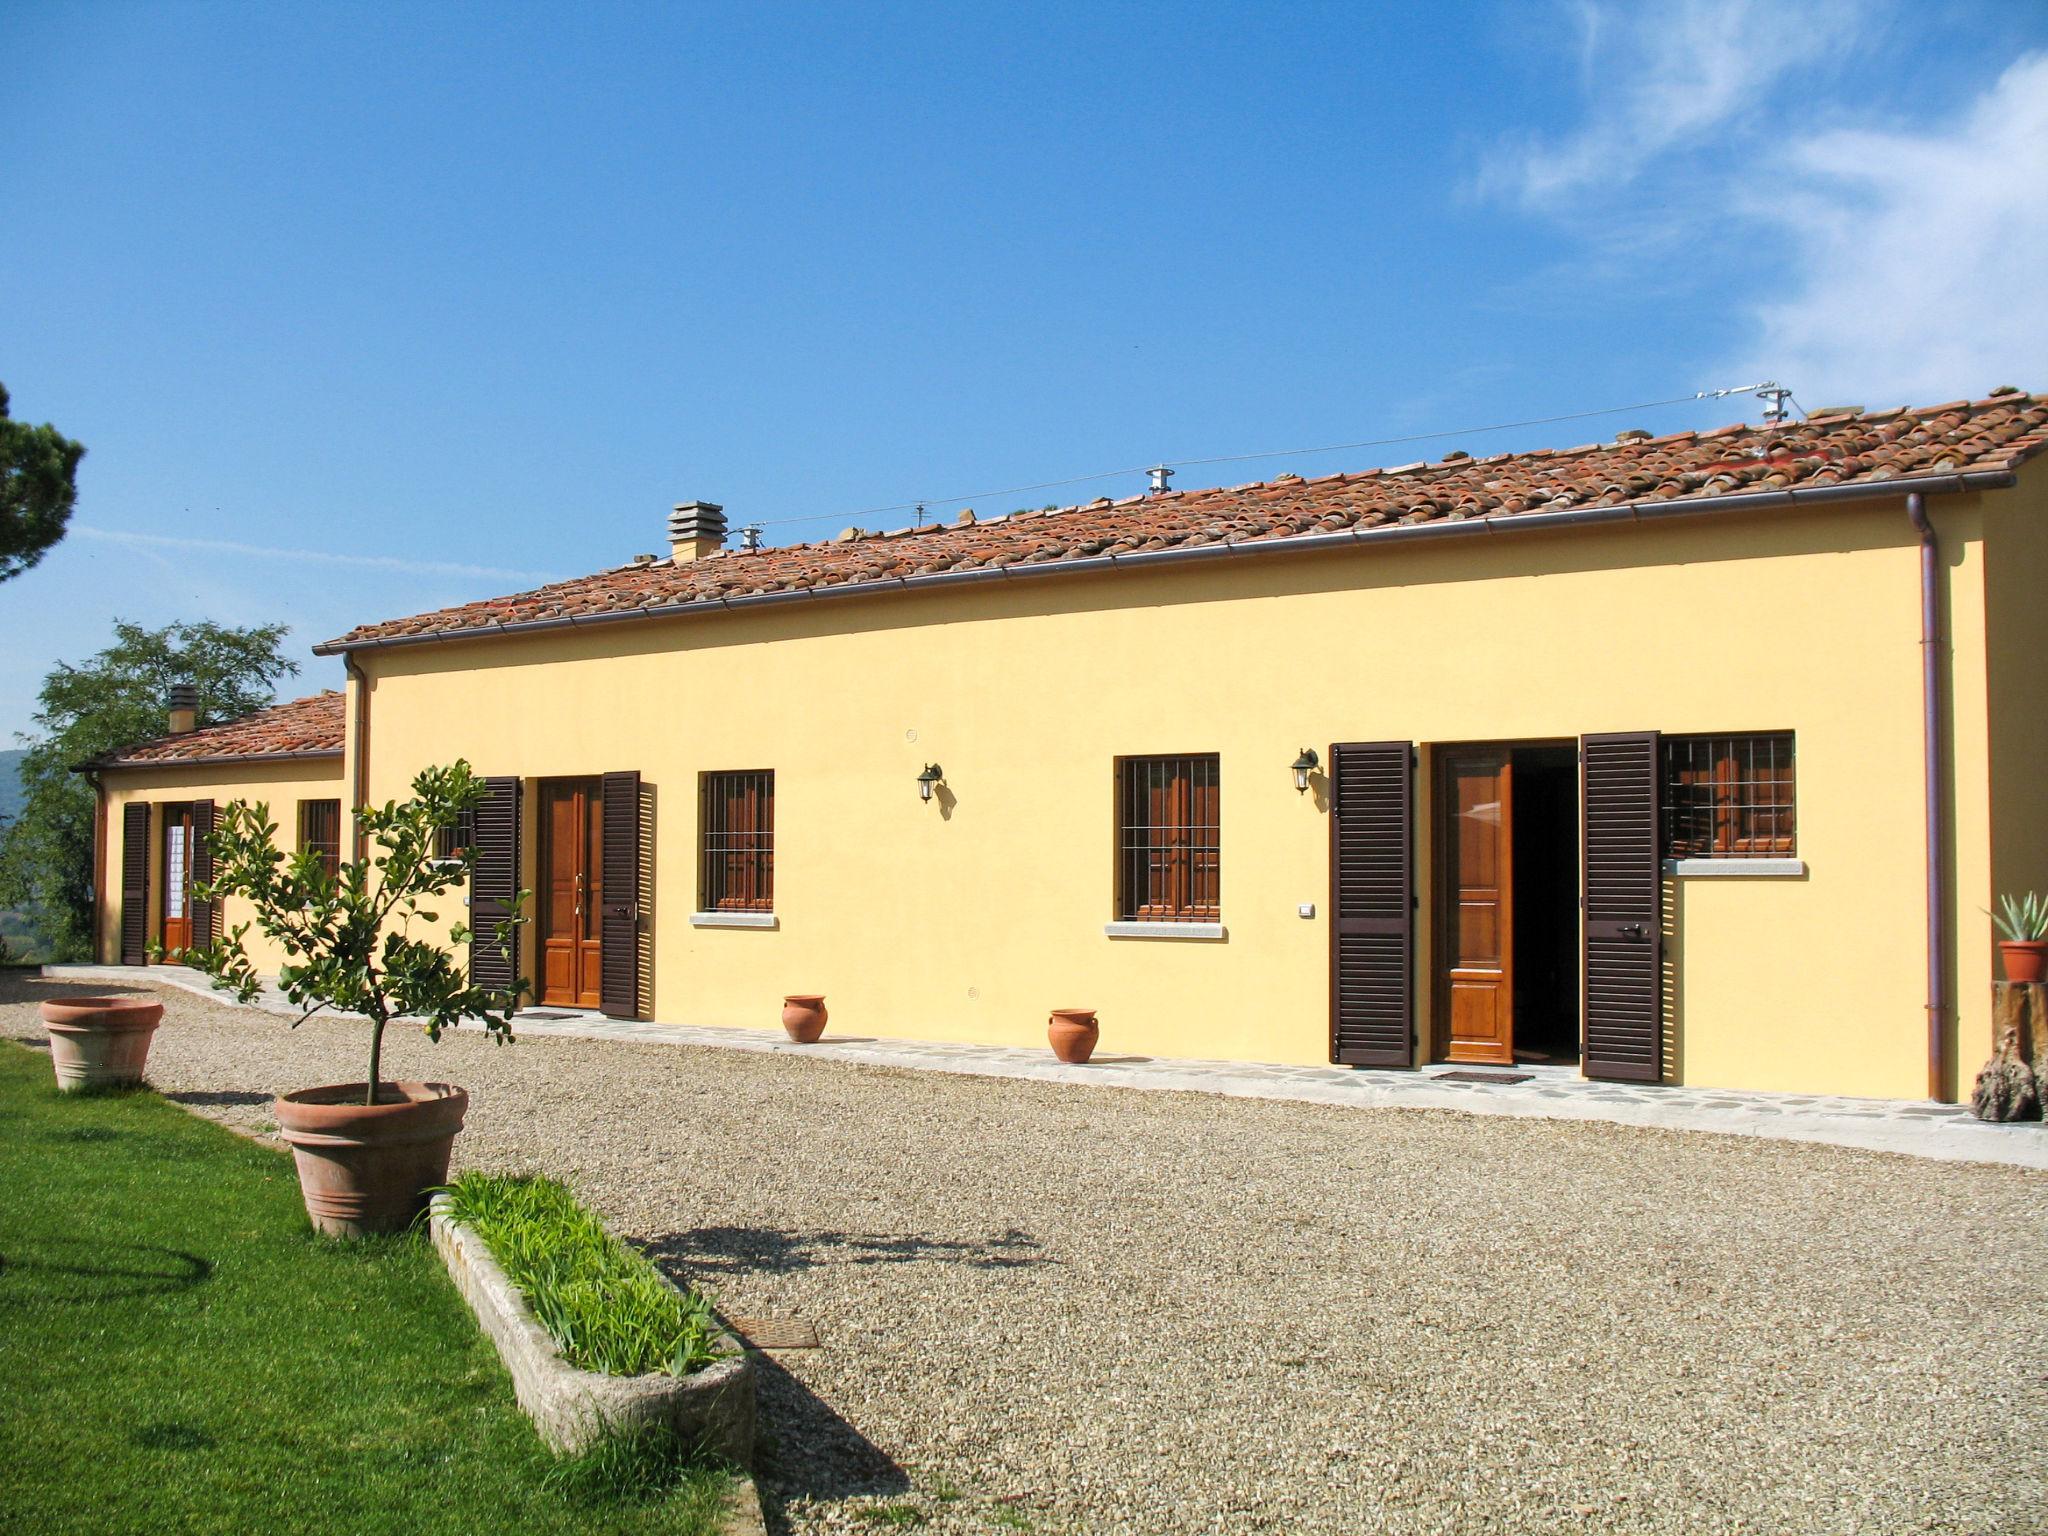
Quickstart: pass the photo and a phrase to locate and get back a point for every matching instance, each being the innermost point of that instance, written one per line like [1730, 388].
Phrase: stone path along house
[1614, 755]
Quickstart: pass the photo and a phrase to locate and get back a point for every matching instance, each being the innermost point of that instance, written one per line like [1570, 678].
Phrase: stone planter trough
[713, 1407]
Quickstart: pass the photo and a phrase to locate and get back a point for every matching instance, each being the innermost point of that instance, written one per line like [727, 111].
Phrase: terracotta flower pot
[370, 1167]
[2025, 961]
[1073, 1033]
[98, 1042]
[803, 1015]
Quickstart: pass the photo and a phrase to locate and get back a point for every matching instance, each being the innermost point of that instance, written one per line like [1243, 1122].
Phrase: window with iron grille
[460, 834]
[1169, 839]
[1729, 797]
[736, 842]
[320, 831]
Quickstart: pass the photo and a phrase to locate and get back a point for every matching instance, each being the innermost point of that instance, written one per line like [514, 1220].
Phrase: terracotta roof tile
[1995, 433]
[300, 728]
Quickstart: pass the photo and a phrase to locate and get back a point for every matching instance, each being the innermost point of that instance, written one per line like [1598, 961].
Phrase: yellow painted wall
[280, 785]
[968, 918]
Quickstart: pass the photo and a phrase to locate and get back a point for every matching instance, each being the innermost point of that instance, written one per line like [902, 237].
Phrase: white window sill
[1780, 869]
[733, 920]
[1164, 930]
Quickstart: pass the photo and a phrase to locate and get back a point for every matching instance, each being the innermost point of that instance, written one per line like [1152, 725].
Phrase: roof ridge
[1870, 447]
[321, 732]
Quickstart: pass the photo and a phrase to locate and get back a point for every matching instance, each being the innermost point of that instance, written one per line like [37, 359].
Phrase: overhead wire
[920, 503]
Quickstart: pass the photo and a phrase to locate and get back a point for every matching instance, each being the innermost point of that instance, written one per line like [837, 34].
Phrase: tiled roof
[1840, 447]
[302, 728]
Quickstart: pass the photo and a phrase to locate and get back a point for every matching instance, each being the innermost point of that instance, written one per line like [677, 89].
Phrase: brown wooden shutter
[619, 919]
[1624, 908]
[135, 883]
[205, 914]
[494, 882]
[1372, 904]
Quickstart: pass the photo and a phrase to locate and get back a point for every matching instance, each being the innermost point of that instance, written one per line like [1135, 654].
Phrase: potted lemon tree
[364, 939]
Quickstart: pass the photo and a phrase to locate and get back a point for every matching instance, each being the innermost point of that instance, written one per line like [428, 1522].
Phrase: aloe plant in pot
[361, 939]
[2024, 922]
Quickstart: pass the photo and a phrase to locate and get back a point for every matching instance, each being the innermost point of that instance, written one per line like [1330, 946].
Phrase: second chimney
[184, 702]
[695, 529]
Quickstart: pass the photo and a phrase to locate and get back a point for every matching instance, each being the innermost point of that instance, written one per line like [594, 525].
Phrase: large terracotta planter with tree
[369, 1154]
[370, 1167]
[100, 1042]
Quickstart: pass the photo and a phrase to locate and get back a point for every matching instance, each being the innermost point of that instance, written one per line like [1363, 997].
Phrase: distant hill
[10, 782]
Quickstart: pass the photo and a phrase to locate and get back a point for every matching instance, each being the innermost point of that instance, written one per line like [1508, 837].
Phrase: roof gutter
[1301, 544]
[106, 765]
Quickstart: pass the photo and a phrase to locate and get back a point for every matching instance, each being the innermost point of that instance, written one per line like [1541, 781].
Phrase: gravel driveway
[1062, 1310]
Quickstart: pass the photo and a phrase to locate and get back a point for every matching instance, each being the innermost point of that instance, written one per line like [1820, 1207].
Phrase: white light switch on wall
[1307, 909]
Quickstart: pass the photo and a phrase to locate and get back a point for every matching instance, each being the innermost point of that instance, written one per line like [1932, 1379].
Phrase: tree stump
[2009, 1087]
[2024, 1006]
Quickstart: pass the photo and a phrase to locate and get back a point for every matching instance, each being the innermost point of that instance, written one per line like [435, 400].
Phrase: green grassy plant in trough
[603, 1304]
[181, 1354]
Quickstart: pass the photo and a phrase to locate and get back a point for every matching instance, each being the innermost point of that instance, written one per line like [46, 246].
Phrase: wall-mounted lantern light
[932, 774]
[1304, 765]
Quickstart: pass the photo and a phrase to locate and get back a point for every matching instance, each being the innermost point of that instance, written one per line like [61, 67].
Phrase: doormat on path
[776, 1332]
[1483, 1077]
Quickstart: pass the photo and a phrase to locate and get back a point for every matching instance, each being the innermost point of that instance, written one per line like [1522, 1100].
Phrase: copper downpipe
[1937, 825]
[360, 790]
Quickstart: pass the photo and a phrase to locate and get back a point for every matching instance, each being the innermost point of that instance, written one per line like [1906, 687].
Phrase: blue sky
[367, 311]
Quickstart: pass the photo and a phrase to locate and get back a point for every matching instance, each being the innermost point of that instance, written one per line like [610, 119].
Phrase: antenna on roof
[1774, 396]
[1160, 475]
[920, 514]
[750, 537]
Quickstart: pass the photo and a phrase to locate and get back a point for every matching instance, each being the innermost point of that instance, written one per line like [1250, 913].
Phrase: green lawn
[178, 1352]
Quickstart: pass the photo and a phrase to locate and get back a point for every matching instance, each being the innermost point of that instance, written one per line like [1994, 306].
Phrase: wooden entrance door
[572, 892]
[176, 936]
[1475, 880]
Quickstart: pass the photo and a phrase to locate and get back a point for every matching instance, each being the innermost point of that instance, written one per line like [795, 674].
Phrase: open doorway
[175, 926]
[1546, 927]
[1507, 908]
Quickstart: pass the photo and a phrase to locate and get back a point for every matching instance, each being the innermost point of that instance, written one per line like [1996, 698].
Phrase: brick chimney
[184, 702]
[695, 529]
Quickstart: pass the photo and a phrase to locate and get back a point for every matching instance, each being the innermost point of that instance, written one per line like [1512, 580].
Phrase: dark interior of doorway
[1546, 928]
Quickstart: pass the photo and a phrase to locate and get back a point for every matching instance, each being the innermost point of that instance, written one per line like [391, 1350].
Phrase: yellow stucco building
[158, 800]
[1612, 755]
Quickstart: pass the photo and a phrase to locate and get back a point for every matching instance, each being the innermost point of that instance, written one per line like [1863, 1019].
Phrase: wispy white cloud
[152, 541]
[1888, 264]
[1659, 79]
[1915, 256]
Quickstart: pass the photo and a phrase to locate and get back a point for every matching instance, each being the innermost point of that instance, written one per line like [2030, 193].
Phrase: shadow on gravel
[205, 1099]
[754, 1250]
[809, 1452]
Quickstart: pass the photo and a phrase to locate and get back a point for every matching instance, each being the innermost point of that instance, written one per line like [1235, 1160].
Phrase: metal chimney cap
[697, 520]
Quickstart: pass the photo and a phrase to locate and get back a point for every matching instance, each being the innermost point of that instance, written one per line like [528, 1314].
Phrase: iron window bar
[1169, 839]
[320, 832]
[736, 842]
[1730, 797]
